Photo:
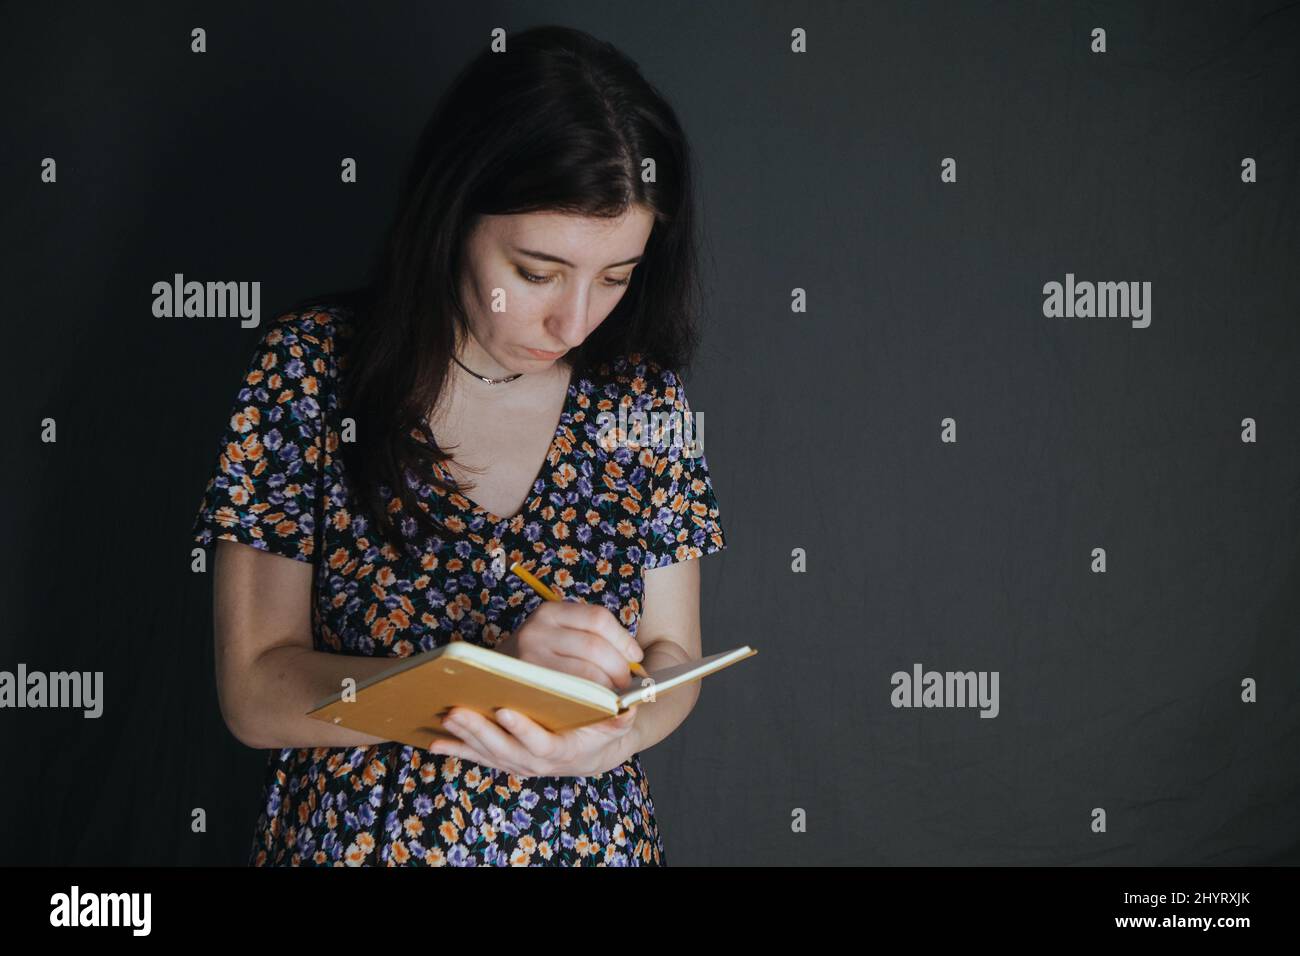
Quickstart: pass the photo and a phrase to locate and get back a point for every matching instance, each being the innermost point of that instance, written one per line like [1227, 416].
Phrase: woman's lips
[538, 353]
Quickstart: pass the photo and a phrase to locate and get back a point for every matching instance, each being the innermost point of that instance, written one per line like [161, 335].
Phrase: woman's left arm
[669, 633]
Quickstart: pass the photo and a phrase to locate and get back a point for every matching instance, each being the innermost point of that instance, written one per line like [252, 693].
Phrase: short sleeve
[264, 487]
[681, 518]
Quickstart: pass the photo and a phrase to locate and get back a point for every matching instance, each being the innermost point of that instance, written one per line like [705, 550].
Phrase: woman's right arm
[268, 674]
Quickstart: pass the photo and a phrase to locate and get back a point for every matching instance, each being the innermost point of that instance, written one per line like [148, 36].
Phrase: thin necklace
[484, 378]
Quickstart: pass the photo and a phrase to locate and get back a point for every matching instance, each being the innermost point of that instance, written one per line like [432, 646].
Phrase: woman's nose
[568, 320]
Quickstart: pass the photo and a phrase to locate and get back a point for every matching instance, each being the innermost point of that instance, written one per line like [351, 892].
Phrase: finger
[488, 738]
[611, 727]
[588, 651]
[604, 623]
[621, 724]
[598, 619]
[446, 746]
[450, 748]
[536, 739]
[581, 654]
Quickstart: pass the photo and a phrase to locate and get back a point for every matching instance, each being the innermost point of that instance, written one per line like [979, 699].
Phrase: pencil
[521, 572]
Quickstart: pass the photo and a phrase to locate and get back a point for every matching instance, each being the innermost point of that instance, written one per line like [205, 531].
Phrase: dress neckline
[561, 428]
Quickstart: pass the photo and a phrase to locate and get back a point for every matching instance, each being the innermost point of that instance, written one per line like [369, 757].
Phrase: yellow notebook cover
[406, 703]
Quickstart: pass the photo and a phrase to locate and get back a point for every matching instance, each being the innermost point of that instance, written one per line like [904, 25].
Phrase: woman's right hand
[581, 639]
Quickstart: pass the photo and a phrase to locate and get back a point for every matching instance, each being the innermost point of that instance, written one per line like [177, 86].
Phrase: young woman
[386, 441]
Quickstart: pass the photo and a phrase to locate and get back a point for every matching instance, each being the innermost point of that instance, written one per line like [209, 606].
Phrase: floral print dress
[599, 514]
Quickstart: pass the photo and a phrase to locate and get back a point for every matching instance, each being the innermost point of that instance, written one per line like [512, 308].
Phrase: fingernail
[505, 716]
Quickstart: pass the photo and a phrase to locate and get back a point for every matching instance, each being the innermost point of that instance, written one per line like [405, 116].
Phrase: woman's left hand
[522, 746]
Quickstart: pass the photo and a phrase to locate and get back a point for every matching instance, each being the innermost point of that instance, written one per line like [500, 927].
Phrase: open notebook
[407, 701]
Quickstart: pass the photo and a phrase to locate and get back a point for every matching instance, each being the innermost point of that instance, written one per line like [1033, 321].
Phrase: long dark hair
[559, 122]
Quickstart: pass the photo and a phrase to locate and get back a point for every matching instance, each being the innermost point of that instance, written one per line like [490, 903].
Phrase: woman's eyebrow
[550, 258]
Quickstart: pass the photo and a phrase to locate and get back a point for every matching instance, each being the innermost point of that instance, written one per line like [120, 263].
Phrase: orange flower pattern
[601, 511]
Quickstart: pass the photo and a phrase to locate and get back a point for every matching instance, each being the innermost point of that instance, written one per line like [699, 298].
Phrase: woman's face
[537, 284]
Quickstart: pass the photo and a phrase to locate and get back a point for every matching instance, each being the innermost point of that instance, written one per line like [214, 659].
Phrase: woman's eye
[542, 280]
[532, 278]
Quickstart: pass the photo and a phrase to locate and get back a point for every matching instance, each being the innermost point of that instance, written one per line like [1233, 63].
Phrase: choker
[484, 378]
